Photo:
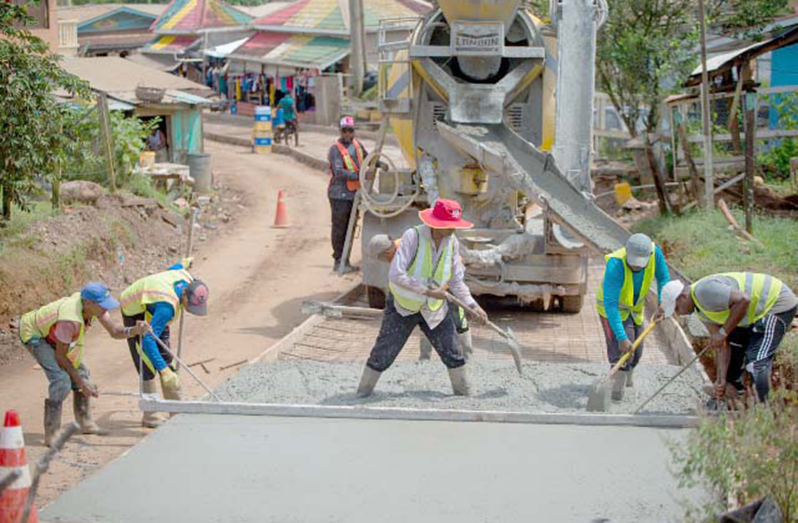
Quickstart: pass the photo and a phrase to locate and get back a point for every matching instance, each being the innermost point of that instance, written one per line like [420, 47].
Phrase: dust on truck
[471, 99]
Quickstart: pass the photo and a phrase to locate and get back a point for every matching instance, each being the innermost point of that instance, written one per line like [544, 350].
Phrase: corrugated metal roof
[222, 51]
[331, 17]
[171, 44]
[114, 74]
[300, 51]
[192, 16]
[87, 12]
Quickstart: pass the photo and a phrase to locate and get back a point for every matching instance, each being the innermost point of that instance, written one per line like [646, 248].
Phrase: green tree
[31, 119]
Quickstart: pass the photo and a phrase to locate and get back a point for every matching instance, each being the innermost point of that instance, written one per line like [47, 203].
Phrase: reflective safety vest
[349, 162]
[626, 303]
[151, 289]
[421, 269]
[37, 324]
[762, 289]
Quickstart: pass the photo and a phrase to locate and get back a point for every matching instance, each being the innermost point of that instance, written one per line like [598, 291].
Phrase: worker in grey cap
[621, 300]
[382, 248]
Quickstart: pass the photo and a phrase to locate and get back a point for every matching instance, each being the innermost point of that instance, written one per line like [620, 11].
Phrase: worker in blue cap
[53, 334]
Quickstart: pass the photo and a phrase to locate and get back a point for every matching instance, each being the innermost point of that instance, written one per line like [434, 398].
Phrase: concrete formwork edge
[391, 413]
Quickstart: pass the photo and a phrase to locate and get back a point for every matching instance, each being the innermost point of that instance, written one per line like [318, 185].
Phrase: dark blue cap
[99, 293]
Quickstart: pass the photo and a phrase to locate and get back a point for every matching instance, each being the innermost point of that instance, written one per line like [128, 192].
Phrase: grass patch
[21, 221]
[141, 185]
[700, 243]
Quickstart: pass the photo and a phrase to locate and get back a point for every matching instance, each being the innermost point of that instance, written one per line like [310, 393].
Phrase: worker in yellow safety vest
[160, 299]
[747, 315]
[382, 248]
[426, 266]
[621, 301]
[54, 334]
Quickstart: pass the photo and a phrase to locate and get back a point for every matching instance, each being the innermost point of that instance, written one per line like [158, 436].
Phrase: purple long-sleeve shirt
[404, 258]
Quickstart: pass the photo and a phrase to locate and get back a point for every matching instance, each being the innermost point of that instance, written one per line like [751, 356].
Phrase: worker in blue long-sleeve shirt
[160, 298]
[621, 301]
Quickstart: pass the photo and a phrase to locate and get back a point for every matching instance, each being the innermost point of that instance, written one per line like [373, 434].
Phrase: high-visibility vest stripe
[349, 163]
[151, 289]
[762, 289]
[626, 303]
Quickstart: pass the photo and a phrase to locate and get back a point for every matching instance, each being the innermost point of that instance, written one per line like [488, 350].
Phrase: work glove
[187, 262]
[170, 381]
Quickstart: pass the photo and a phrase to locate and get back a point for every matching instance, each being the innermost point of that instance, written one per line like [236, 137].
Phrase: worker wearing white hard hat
[747, 316]
[621, 299]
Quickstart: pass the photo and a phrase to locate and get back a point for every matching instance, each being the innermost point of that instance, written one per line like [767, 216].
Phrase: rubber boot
[150, 420]
[460, 385]
[367, 382]
[466, 345]
[629, 380]
[52, 421]
[425, 349]
[618, 384]
[82, 409]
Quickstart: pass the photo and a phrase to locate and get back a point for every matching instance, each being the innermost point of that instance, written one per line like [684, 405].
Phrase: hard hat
[379, 244]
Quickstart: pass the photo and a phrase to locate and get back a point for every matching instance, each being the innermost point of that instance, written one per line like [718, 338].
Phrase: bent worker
[160, 298]
[426, 264]
[621, 301]
[345, 158]
[384, 249]
[746, 314]
[53, 334]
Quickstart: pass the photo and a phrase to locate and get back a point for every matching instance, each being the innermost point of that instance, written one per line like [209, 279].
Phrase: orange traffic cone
[281, 216]
[12, 458]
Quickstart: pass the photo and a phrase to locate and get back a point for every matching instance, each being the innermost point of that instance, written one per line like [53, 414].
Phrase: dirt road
[258, 277]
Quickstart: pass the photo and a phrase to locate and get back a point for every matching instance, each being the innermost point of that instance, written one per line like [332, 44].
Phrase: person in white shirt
[426, 266]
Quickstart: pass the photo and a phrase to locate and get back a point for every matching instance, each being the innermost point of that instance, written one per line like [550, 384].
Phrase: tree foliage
[32, 119]
[647, 48]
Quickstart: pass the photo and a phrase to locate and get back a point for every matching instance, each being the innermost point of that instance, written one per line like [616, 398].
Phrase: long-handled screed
[509, 337]
[599, 398]
[667, 383]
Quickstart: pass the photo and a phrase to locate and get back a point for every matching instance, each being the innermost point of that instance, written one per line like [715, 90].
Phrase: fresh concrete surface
[495, 385]
[200, 468]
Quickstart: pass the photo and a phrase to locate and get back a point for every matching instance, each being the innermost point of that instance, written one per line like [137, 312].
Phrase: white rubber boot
[150, 420]
[368, 381]
[459, 379]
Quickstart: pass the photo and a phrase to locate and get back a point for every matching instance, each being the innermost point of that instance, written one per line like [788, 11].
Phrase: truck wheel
[571, 304]
[376, 297]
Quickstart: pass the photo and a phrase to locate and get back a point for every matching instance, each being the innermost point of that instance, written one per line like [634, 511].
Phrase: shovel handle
[638, 341]
[454, 299]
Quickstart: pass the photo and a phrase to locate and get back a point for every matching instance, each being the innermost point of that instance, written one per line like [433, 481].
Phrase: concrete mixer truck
[493, 106]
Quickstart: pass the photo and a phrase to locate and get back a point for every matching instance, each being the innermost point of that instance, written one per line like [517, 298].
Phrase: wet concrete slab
[200, 468]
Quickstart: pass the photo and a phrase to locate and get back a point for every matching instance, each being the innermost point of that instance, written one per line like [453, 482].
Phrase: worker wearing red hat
[426, 266]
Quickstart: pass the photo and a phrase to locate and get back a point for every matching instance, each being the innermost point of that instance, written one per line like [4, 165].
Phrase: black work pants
[396, 329]
[341, 210]
[134, 344]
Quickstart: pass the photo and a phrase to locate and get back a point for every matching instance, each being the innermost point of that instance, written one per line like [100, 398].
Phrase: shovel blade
[515, 349]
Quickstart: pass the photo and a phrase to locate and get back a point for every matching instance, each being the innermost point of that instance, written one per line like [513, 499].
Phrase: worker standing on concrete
[621, 301]
[384, 249]
[54, 334]
[747, 315]
[160, 298]
[426, 264]
[345, 158]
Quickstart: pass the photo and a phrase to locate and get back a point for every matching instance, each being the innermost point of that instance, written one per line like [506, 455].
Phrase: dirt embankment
[117, 240]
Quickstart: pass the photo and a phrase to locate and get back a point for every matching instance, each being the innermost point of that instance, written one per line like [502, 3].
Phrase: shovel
[509, 337]
[599, 398]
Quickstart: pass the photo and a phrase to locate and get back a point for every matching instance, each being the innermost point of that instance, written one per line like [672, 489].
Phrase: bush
[747, 457]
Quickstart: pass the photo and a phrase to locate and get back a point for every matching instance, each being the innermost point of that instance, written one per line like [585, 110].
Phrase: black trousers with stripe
[753, 349]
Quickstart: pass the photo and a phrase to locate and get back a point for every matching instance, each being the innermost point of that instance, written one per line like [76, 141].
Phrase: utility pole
[357, 41]
[709, 182]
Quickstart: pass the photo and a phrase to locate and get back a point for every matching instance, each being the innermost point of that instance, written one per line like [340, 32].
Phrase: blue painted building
[112, 29]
